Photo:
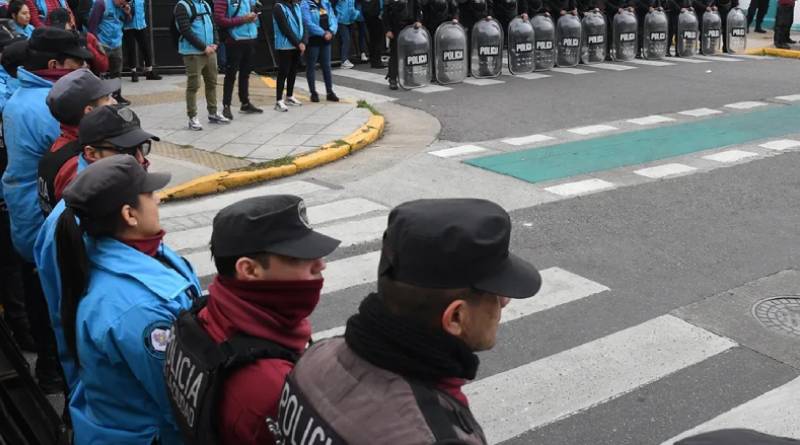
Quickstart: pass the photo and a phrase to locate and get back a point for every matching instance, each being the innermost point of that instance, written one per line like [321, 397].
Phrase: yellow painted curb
[226, 180]
[775, 52]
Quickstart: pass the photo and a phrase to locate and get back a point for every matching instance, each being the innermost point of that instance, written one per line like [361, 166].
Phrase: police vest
[196, 367]
[294, 17]
[245, 31]
[329, 386]
[49, 165]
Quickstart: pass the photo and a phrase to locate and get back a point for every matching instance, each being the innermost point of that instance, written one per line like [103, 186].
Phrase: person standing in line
[122, 289]
[238, 26]
[106, 21]
[290, 44]
[372, 11]
[444, 276]
[758, 10]
[397, 14]
[724, 7]
[20, 18]
[784, 17]
[346, 15]
[134, 34]
[198, 45]
[321, 23]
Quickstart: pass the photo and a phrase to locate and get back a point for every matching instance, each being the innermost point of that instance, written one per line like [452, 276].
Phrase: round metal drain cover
[780, 314]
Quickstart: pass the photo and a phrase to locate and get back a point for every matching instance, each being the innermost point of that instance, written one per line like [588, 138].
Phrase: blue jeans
[323, 54]
[344, 36]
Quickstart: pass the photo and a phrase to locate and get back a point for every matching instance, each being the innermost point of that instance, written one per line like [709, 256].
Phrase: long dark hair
[73, 262]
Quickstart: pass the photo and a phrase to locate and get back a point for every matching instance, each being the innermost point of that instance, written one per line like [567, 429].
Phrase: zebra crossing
[530, 396]
[379, 76]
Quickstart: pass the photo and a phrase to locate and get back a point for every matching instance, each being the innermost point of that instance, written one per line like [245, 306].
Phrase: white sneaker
[218, 119]
[280, 106]
[346, 65]
[194, 124]
[364, 57]
[293, 102]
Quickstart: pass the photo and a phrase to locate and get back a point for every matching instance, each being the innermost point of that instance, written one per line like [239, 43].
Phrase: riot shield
[625, 28]
[520, 46]
[655, 35]
[568, 39]
[736, 28]
[413, 57]
[686, 40]
[712, 33]
[450, 44]
[544, 47]
[593, 46]
[487, 45]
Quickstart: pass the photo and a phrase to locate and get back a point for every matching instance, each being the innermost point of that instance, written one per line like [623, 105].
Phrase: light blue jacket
[8, 85]
[42, 6]
[109, 30]
[26, 31]
[295, 21]
[122, 328]
[30, 130]
[245, 31]
[346, 12]
[202, 26]
[311, 18]
[45, 256]
[139, 18]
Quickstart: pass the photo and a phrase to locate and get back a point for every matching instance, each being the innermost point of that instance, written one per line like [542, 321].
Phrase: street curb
[775, 52]
[226, 180]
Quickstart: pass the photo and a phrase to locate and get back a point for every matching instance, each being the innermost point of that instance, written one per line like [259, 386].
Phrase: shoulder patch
[156, 337]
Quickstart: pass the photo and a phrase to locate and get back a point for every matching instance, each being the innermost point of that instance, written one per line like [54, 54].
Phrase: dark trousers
[377, 39]
[321, 53]
[723, 15]
[239, 55]
[757, 5]
[287, 71]
[784, 18]
[393, 58]
[131, 38]
[672, 21]
[12, 293]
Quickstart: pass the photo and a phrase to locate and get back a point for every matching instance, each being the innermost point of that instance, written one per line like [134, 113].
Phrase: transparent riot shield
[568, 40]
[487, 45]
[544, 33]
[687, 36]
[520, 46]
[625, 28]
[450, 44]
[655, 35]
[712, 33]
[736, 28]
[413, 57]
[593, 47]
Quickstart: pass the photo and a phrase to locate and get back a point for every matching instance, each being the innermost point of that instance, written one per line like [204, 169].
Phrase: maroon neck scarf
[149, 245]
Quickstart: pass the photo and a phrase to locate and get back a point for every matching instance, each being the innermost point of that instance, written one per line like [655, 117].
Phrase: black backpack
[174, 32]
[49, 165]
[196, 367]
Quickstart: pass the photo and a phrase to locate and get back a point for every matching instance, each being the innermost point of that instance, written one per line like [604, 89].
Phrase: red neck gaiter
[275, 310]
[52, 74]
[149, 245]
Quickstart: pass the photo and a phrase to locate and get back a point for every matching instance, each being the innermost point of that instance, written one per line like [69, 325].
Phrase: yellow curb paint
[775, 52]
[332, 151]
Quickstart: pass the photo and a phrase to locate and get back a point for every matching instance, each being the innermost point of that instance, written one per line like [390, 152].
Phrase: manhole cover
[780, 314]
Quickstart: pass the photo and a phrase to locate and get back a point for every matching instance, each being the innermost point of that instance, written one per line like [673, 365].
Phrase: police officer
[397, 14]
[642, 8]
[238, 25]
[673, 9]
[505, 11]
[121, 290]
[444, 277]
[700, 8]
[613, 7]
[557, 8]
[470, 12]
[58, 169]
[434, 13]
[724, 7]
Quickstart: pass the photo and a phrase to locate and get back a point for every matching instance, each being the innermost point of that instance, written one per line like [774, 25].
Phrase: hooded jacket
[251, 394]
[29, 131]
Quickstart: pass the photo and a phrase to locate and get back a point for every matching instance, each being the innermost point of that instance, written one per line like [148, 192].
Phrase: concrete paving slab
[290, 139]
[237, 149]
[268, 152]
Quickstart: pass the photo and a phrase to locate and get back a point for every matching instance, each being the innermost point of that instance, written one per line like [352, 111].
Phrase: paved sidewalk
[253, 138]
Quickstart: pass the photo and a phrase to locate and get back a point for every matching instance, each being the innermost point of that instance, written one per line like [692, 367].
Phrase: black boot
[134, 75]
[117, 95]
[392, 83]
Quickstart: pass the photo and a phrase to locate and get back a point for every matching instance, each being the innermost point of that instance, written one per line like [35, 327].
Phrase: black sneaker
[134, 76]
[392, 84]
[760, 31]
[48, 375]
[152, 75]
[792, 41]
[332, 97]
[782, 46]
[314, 97]
[250, 109]
[226, 111]
[120, 100]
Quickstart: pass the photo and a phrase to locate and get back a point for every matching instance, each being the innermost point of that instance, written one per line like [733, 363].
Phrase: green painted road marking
[638, 147]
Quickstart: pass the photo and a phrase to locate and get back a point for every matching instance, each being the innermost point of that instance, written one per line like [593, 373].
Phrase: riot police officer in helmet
[397, 14]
